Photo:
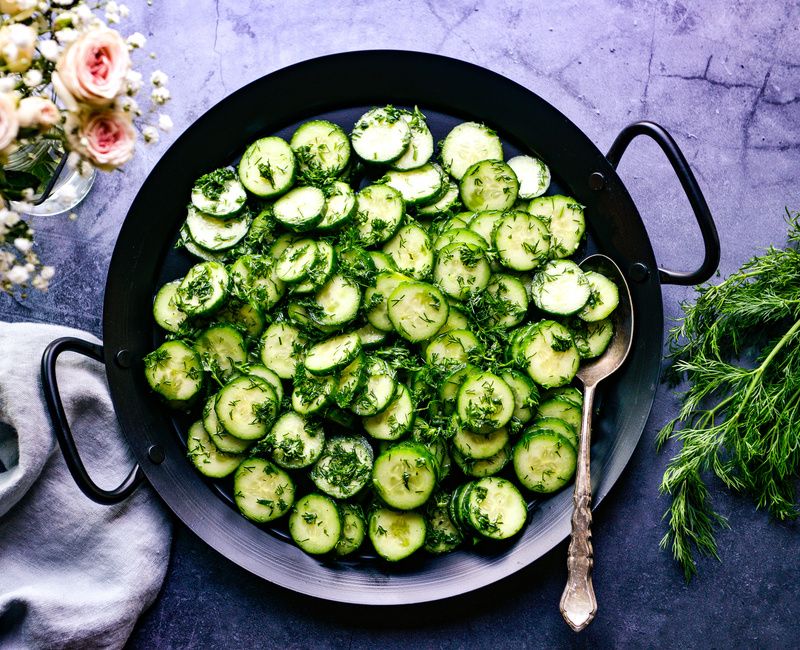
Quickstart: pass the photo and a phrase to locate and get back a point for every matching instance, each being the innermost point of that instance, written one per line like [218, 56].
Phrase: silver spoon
[578, 602]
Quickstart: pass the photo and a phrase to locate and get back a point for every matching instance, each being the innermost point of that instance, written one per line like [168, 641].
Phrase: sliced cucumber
[485, 467]
[263, 491]
[564, 218]
[370, 336]
[203, 289]
[253, 278]
[378, 390]
[267, 167]
[522, 241]
[526, 395]
[461, 269]
[467, 144]
[404, 475]
[376, 299]
[344, 467]
[563, 409]
[337, 302]
[417, 310]
[300, 209]
[320, 272]
[421, 185]
[560, 288]
[296, 441]
[332, 354]
[223, 440]
[410, 250]
[533, 175]
[508, 305]
[311, 393]
[603, 300]
[296, 262]
[489, 185]
[219, 193]
[321, 147]
[442, 535]
[478, 446]
[550, 355]
[420, 147]
[451, 348]
[165, 307]
[246, 407]
[221, 349]
[354, 529]
[315, 524]
[244, 315]
[556, 425]
[456, 235]
[395, 420]
[396, 534]
[485, 402]
[340, 206]
[496, 508]
[456, 320]
[544, 461]
[206, 456]
[379, 213]
[174, 371]
[281, 347]
[447, 202]
[382, 261]
[381, 135]
[351, 380]
[592, 339]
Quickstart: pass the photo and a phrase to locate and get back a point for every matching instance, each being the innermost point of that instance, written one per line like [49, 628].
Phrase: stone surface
[723, 77]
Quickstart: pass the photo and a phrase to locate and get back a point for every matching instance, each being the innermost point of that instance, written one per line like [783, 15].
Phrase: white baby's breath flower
[66, 35]
[136, 40]
[47, 272]
[29, 267]
[17, 275]
[7, 84]
[150, 134]
[83, 14]
[39, 283]
[27, 194]
[73, 160]
[124, 12]
[159, 78]
[127, 104]
[133, 82]
[160, 95]
[85, 169]
[165, 122]
[10, 218]
[32, 78]
[67, 196]
[23, 245]
[49, 49]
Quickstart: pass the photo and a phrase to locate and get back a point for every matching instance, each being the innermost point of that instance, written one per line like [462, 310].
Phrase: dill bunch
[738, 346]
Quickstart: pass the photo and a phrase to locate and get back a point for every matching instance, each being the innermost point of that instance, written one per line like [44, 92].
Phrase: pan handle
[689, 183]
[61, 425]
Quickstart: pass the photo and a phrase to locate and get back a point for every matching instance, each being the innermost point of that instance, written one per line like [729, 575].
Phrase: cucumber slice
[337, 302]
[420, 147]
[522, 241]
[592, 339]
[378, 390]
[300, 209]
[344, 467]
[569, 393]
[395, 420]
[174, 371]
[216, 234]
[296, 441]
[410, 250]
[526, 395]
[533, 175]
[281, 346]
[404, 476]
[442, 535]
[321, 147]
[485, 402]
[485, 467]
[376, 299]
[296, 261]
[560, 288]
[244, 315]
[379, 213]
[311, 393]
[565, 221]
[381, 135]
[451, 348]
[489, 185]
[508, 303]
[198, 251]
[203, 289]
[223, 440]
[556, 425]
[332, 354]
[370, 336]
[603, 300]
[354, 529]
[484, 223]
[268, 376]
[315, 524]
[477, 446]
[544, 462]
[417, 310]
[563, 409]
[456, 320]
[461, 269]
[421, 185]
[351, 380]
[320, 272]
[496, 508]
[467, 144]
[263, 491]
[206, 457]
[267, 167]
[463, 235]
[254, 279]
[382, 261]
[222, 349]
[219, 193]
[448, 201]
[165, 307]
[340, 206]
[550, 355]
[246, 407]
[448, 391]
[396, 534]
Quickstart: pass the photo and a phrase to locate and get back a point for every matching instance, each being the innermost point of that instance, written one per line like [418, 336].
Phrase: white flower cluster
[20, 267]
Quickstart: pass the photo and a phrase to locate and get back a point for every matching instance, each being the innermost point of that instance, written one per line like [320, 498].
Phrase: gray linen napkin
[73, 573]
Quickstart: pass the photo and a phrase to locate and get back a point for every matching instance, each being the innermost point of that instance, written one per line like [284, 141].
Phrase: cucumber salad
[379, 334]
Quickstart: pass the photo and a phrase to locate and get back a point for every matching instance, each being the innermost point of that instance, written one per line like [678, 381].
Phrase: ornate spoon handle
[578, 602]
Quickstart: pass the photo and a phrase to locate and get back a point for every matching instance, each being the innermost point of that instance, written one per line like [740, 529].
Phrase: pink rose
[37, 112]
[9, 123]
[93, 68]
[106, 138]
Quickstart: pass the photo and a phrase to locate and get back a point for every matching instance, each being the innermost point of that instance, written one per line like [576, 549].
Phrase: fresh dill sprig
[738, 346]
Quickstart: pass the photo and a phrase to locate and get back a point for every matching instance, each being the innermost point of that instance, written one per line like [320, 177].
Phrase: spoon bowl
[578, 602]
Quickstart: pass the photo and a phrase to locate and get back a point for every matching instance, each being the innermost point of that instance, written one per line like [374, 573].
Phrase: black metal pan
[340, 88]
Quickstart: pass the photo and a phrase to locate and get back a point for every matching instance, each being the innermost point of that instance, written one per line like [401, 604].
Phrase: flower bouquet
[67, 98]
